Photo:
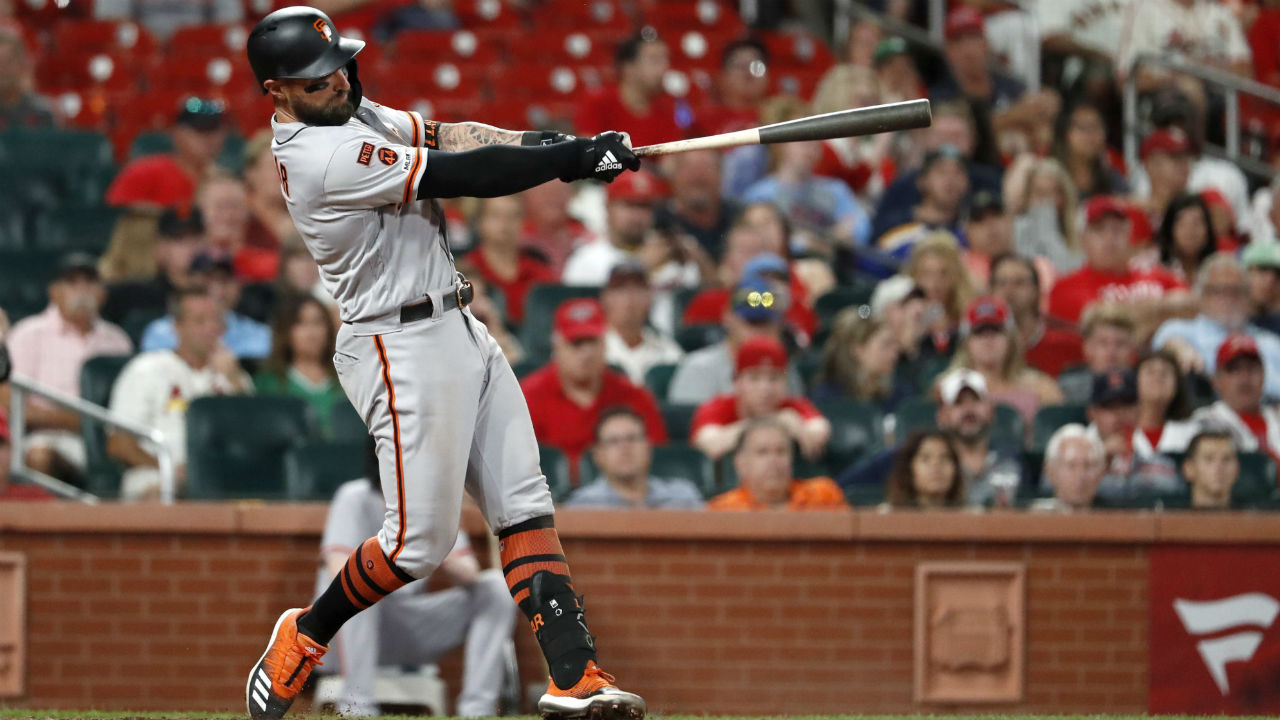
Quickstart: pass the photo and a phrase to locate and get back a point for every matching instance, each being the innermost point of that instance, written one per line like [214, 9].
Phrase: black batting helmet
[298, 42]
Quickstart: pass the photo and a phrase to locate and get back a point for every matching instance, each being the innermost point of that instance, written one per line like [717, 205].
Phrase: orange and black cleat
[594, 697]
[283, 669]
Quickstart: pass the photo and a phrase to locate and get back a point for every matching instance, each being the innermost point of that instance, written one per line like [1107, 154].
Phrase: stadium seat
[539, 306]
[856, 431]
[346, 425]
[1256, 486]
[313, 471]
[86, 229]
[135, 322]
[833, 301]
[555, 466]
[1051, 417]
[683, 462]
[97, 376]
[864, 495]
[24, 281]
[57, 166]
[236, 445]
[678, 418]
[658, 379]
[696, 337]
[13, 233]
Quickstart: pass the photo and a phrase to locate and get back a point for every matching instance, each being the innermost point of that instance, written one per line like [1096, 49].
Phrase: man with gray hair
[1222, 294]
[1075, 462]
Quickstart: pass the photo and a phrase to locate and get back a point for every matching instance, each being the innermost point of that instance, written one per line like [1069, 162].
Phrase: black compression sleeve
[495, 170]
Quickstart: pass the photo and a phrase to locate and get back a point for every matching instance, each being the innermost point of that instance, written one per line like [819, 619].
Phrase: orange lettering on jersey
[366, 154]
[536, 622]
[284, 175]
[388, 156]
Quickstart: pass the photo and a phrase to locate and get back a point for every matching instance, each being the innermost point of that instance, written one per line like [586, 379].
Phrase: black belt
[459, 298]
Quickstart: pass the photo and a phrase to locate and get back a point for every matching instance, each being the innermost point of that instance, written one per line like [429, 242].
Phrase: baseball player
[430, 382]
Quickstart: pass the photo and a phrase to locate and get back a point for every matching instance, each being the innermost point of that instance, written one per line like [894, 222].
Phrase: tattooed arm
[457, 137]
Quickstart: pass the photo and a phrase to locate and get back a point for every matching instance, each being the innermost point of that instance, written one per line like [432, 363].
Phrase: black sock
[367, 577]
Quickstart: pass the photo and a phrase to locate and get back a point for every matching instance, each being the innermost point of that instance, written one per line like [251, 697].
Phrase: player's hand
[604, 157]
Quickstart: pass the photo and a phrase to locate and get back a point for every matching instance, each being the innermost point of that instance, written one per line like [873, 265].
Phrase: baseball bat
[906, 115]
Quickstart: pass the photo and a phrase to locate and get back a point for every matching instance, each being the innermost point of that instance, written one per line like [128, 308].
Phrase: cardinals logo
[323, 29]
[1251, 612]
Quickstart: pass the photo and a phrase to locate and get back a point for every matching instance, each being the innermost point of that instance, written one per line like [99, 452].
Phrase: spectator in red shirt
[499, 258]
[759, 390]
[1106, 274]
[746, 249]
[637, 101]
[171, 179]
[567, 396]
[742, 85]
[1048, 347]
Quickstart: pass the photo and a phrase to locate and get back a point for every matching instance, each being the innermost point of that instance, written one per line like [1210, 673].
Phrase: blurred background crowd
[1064, 294]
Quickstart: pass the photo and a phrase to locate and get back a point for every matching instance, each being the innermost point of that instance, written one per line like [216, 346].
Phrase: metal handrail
[1230, 84]
[22, 387]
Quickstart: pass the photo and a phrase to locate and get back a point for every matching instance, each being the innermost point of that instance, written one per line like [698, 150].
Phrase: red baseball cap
[963, 21]
[1171, 141]
[761, 351]
[1100, 206]
[986, 311]
[1214, 198]
[641, 186]
[1236, 346]
[580, 319]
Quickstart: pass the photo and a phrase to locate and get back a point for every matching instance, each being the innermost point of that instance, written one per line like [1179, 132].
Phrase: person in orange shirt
[762, 461]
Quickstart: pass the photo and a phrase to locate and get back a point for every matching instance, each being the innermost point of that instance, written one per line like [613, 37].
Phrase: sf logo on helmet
[323, 29]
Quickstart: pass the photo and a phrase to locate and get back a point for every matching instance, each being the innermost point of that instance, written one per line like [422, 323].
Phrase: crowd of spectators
[1012, 315]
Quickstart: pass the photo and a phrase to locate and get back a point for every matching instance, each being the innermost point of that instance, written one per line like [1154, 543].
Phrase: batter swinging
[432, 386]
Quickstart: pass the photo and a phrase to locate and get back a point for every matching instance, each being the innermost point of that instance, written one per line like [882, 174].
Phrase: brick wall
[153, 608]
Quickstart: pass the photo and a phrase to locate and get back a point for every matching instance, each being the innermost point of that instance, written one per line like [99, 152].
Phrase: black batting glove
[603, 157]
[543, 137]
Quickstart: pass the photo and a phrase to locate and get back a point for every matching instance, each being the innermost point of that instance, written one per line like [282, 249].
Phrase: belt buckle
[464, 288]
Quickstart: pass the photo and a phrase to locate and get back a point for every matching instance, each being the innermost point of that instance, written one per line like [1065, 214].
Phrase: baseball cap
[628, 272]
[985, 202]
[1236, 346]
[765, 264]
[641, 186]
[176, 223]
[954, 381]
[1214, 198]
[946, 151]
[1262, 254]
[984, 312]
[887, 49]
[206, 263]
[77, 264]
[580, 319]
[1172, 141]
[201, 114]
[754, 301]
[964, 20]
[1117, 386]
[760, 351]
[892, 291]
[1100, 206]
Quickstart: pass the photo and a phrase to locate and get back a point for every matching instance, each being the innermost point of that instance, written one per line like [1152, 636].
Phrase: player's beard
[329, 115]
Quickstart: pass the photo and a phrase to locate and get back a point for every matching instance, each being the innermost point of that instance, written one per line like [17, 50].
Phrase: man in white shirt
[629, 342]
[50, 348]
[155, 388]
[1204, 31]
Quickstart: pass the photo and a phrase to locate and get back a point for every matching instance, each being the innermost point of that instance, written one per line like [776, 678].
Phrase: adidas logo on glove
[608, 162]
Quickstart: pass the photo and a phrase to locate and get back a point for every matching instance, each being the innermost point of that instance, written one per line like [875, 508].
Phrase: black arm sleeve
[495, 170]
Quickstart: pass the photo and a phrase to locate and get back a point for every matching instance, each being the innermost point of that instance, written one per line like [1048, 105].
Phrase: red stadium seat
[218, 77]
[797, 50]
[439, 80]
[87, 36]
[561, 46]
[206, 41]
[702, 14]
[487, 14]
[463, 46]
[71, 70]
[582, 15]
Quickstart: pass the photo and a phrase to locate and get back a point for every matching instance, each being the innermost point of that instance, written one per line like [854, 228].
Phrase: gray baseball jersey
[352, 193]
[436, 393]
